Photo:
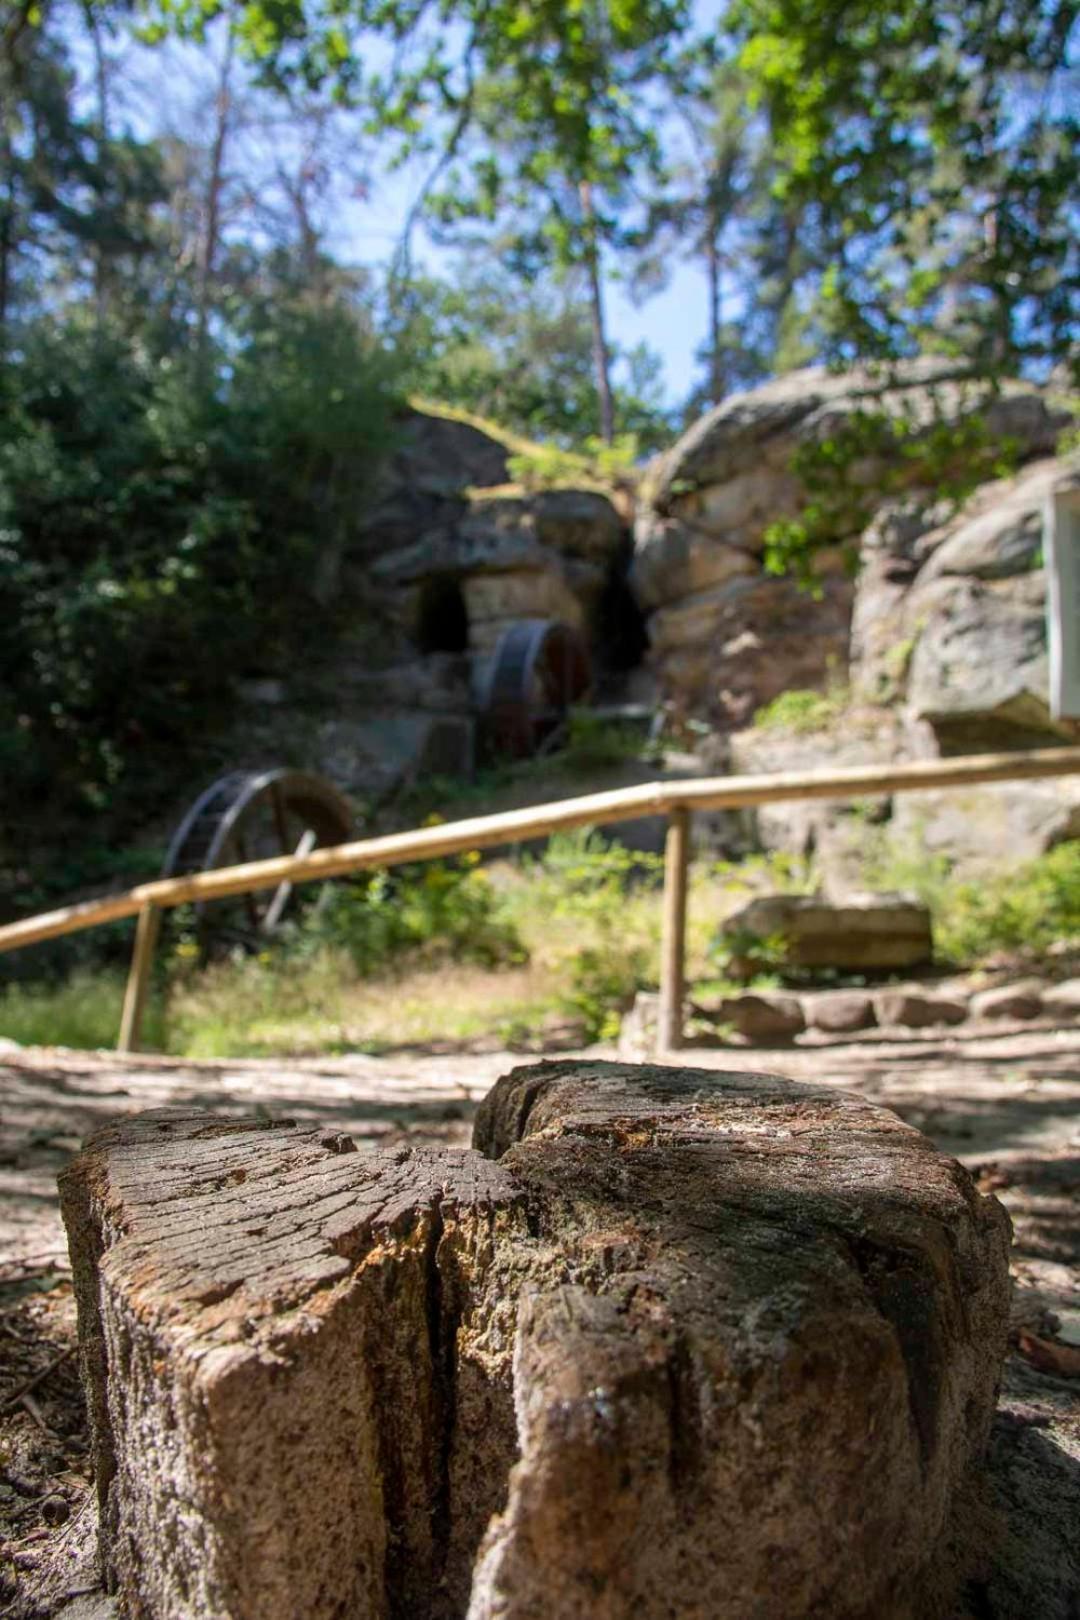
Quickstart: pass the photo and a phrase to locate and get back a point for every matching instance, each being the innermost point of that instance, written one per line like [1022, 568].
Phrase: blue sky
[672, 322]
[170, 88]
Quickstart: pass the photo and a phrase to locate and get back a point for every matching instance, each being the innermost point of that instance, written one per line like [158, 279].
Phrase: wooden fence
[675, 800]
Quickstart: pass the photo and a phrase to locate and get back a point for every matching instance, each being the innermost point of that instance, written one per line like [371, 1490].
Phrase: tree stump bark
[664, 1343]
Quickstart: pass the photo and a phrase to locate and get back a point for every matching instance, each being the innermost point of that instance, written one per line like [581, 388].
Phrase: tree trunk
[9, 70]
[101, 79]
[666, 1342]
[215, 180]
[7, 245]
[716, 354]
[601, 354]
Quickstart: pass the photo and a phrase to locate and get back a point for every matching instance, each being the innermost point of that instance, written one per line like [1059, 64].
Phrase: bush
[583, 876]
[428, 911]
[603, 983]
[594, 743]
[1028, 909]
[157, 537]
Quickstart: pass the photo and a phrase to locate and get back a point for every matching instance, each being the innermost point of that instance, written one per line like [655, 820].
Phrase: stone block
[1062, 1000]
[918, 1009]
[761, 1016]
[861, 933]
[1020, 1000]
[839, 1012]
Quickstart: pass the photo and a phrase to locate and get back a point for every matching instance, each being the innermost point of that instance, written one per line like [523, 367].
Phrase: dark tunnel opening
[442, 618]
[619, 633]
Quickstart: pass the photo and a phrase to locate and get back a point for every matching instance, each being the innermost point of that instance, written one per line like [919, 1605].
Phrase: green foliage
[585, 872]
[939, 177]
[519, 353]
[873, 456]
[77, 204]
[584, 877]
[82, 1012]
[432, 911]
[603, 983]
[157, 539]
[802, 710]
[548, 466]
[1024, 910]
[744, 957]
[595, 743]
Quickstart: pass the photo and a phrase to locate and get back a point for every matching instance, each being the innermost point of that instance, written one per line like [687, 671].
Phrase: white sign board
[1061, 535]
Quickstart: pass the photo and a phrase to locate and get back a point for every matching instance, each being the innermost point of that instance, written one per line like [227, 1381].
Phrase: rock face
[948, 654]
[445, 556]
[950, 617]
[546, 556]
[456, 553]
[726, 637]
[863, 933]
[667, 1342]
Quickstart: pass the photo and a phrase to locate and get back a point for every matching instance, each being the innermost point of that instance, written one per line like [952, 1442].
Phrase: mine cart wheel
[251, 816]
[540, 669]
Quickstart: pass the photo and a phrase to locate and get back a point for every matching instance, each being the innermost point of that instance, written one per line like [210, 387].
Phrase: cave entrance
[619, 633]
[443, 618]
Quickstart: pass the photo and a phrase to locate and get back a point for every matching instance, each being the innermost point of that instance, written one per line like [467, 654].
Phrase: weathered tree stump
[666, 1343]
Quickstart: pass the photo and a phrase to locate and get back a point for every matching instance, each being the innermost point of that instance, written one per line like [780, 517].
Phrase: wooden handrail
[535, 821]
[673, 799]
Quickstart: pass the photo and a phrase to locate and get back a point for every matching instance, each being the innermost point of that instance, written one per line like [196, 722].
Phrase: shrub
[433, 910]
[583, 876]
[1033, 906]
[157, 536]
[604, 980]
[594, 742]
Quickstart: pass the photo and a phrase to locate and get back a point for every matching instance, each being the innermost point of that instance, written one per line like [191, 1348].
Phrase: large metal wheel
[252, 816]
[540, 669]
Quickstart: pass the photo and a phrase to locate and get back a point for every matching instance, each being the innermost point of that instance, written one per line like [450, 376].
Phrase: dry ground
[1006, 1103]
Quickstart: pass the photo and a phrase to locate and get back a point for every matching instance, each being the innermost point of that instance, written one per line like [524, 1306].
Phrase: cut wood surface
[667, 1342]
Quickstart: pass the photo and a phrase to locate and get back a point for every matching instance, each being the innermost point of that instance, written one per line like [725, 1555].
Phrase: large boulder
[726, 636]
[434, 461]
[950, 613]
[733, 446]
[948, 654]
[979, 672]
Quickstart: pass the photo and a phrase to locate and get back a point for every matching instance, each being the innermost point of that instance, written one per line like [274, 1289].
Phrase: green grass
[83, 1011]
[581, 930]
[533, 465]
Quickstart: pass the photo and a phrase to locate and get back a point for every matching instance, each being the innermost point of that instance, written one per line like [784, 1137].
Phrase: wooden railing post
[673, 939]
[138, 984]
